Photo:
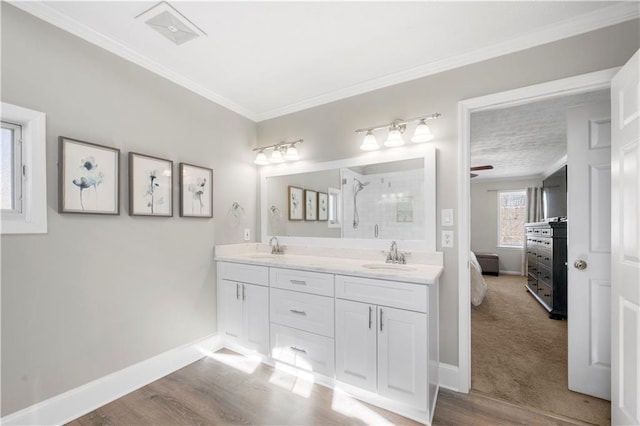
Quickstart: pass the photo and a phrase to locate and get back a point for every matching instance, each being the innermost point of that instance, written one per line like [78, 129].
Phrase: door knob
[580, 265]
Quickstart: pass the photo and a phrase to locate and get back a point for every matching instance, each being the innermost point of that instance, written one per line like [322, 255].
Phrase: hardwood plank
[232, 390]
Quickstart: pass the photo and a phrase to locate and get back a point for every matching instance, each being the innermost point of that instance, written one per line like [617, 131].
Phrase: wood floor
[229, 388]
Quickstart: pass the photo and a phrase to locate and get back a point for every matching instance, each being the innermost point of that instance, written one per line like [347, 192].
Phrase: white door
[589, 248]
[402, 356]
[356, 329]
[255, 312]
[230, 303]
[625, 253]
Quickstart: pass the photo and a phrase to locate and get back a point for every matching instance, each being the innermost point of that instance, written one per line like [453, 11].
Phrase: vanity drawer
[252, 274]
[303, 311]
[304, 350]
[395, 294]
[304, 281]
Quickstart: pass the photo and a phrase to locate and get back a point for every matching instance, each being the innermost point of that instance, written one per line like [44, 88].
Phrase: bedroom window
[511, 216]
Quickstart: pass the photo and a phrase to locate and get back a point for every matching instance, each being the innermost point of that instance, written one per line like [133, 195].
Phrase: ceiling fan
[478, 168]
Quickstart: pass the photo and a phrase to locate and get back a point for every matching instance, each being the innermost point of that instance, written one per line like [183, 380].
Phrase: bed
[478, 285]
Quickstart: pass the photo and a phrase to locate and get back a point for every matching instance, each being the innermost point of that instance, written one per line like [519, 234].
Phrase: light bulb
[422, 133]
[292, 154]
[261, 159]
[276, 156]
[394, 138]
[370, 142]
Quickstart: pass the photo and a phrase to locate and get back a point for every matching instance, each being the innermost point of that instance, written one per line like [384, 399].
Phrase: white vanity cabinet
[243, 305]
[382, 346]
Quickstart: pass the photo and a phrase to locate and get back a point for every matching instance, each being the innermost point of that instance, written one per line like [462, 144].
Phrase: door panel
[589, 198]
[356, 354]
[230, 309]
[256, 317]
[625, 243]
[402, 356]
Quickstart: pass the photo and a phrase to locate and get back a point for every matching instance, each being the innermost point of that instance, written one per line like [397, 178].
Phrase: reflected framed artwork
[310, 205]
[196, 191]
[150, 186]
[323, 206]
[88, 177]
[296, 203]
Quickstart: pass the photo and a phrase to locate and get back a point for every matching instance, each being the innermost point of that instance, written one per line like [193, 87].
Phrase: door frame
[567, 86]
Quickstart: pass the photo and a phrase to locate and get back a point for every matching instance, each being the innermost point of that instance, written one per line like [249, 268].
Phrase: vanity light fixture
[283, 151]
[396, 128]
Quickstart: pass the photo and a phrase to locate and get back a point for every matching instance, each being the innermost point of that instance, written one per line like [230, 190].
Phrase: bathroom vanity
[357, 323]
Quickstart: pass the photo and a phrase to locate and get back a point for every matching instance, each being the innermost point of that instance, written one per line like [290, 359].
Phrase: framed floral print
[296, 203]
[323, 206]
[88, 177]
[310, 205]
[196, 191]
[150, 186]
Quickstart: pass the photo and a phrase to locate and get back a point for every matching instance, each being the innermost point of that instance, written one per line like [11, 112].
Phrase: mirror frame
[426, 151]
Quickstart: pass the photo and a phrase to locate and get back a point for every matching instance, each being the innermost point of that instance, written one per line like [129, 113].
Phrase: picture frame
[296, 203]
[323, 206]
[88, 177]
[150, 186]
[196, 191]
[310, 205]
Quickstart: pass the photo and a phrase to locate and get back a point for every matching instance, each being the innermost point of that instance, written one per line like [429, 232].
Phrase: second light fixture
[283, 151]
[396, 128]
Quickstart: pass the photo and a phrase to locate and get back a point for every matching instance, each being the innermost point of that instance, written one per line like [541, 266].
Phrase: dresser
[546, 249]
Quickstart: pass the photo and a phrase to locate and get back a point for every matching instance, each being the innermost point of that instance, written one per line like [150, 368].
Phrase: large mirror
[373, 198]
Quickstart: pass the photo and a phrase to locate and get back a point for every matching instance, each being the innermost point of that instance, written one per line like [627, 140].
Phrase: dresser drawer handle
[302, 351]
[295, 311]
[298, 282]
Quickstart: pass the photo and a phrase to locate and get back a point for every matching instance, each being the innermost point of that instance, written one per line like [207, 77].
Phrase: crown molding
[47, 13]
[597, 19]
[581, 24]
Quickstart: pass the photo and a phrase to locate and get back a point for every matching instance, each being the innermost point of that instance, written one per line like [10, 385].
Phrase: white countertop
[365, 263]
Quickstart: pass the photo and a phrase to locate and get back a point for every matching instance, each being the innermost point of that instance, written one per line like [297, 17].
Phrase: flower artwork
[150, 186]
[196, 191]
[323, 206]
[88, 178]
[296, 206]
[311, 205]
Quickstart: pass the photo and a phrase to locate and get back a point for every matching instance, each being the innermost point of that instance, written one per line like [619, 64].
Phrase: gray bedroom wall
[99, 293]
[328, 130]
[484, 221]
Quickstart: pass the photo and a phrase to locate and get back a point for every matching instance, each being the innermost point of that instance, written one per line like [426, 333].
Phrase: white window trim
[33, 219]
[507, 246]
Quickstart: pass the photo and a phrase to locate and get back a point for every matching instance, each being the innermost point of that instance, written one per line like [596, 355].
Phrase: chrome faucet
[277, 249]
[393, 256]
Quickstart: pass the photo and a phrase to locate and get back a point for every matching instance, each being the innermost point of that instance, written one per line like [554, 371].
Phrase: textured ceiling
[264, 59]
[525, 140]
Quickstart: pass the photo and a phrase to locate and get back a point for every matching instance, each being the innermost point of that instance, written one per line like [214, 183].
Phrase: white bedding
[478, 285]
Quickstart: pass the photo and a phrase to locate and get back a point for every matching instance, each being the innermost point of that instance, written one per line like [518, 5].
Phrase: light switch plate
[447, 238]
[447, 217]
[247, 234]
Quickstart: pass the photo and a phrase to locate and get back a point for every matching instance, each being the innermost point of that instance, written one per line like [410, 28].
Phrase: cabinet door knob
[580, 265]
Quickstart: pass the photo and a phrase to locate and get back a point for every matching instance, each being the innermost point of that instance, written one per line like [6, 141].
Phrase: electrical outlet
[447, 238]
[247, 234]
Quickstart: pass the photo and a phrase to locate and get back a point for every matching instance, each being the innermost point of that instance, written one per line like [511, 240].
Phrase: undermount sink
[388, 266]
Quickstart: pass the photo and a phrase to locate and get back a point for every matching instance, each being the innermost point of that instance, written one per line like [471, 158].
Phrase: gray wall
[328, 130]
[99, 293]
[484, 220]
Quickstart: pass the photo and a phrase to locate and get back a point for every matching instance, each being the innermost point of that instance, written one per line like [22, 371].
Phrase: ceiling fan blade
[487, 167]
[473, 175]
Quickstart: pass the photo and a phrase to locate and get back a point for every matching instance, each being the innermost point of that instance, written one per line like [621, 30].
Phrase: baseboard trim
[510, 272]
[449, 377]
[77, 402]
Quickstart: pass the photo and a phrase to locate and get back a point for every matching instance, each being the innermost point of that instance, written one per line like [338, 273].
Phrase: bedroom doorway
[515, 99]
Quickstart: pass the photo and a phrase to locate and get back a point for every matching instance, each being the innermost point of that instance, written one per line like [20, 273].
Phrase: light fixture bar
[399, 122]
[278, 145]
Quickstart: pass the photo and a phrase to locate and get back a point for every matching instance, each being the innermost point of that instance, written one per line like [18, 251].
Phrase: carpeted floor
[519, 355]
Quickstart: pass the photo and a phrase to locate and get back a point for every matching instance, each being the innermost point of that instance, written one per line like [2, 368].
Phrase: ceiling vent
[166, 20]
